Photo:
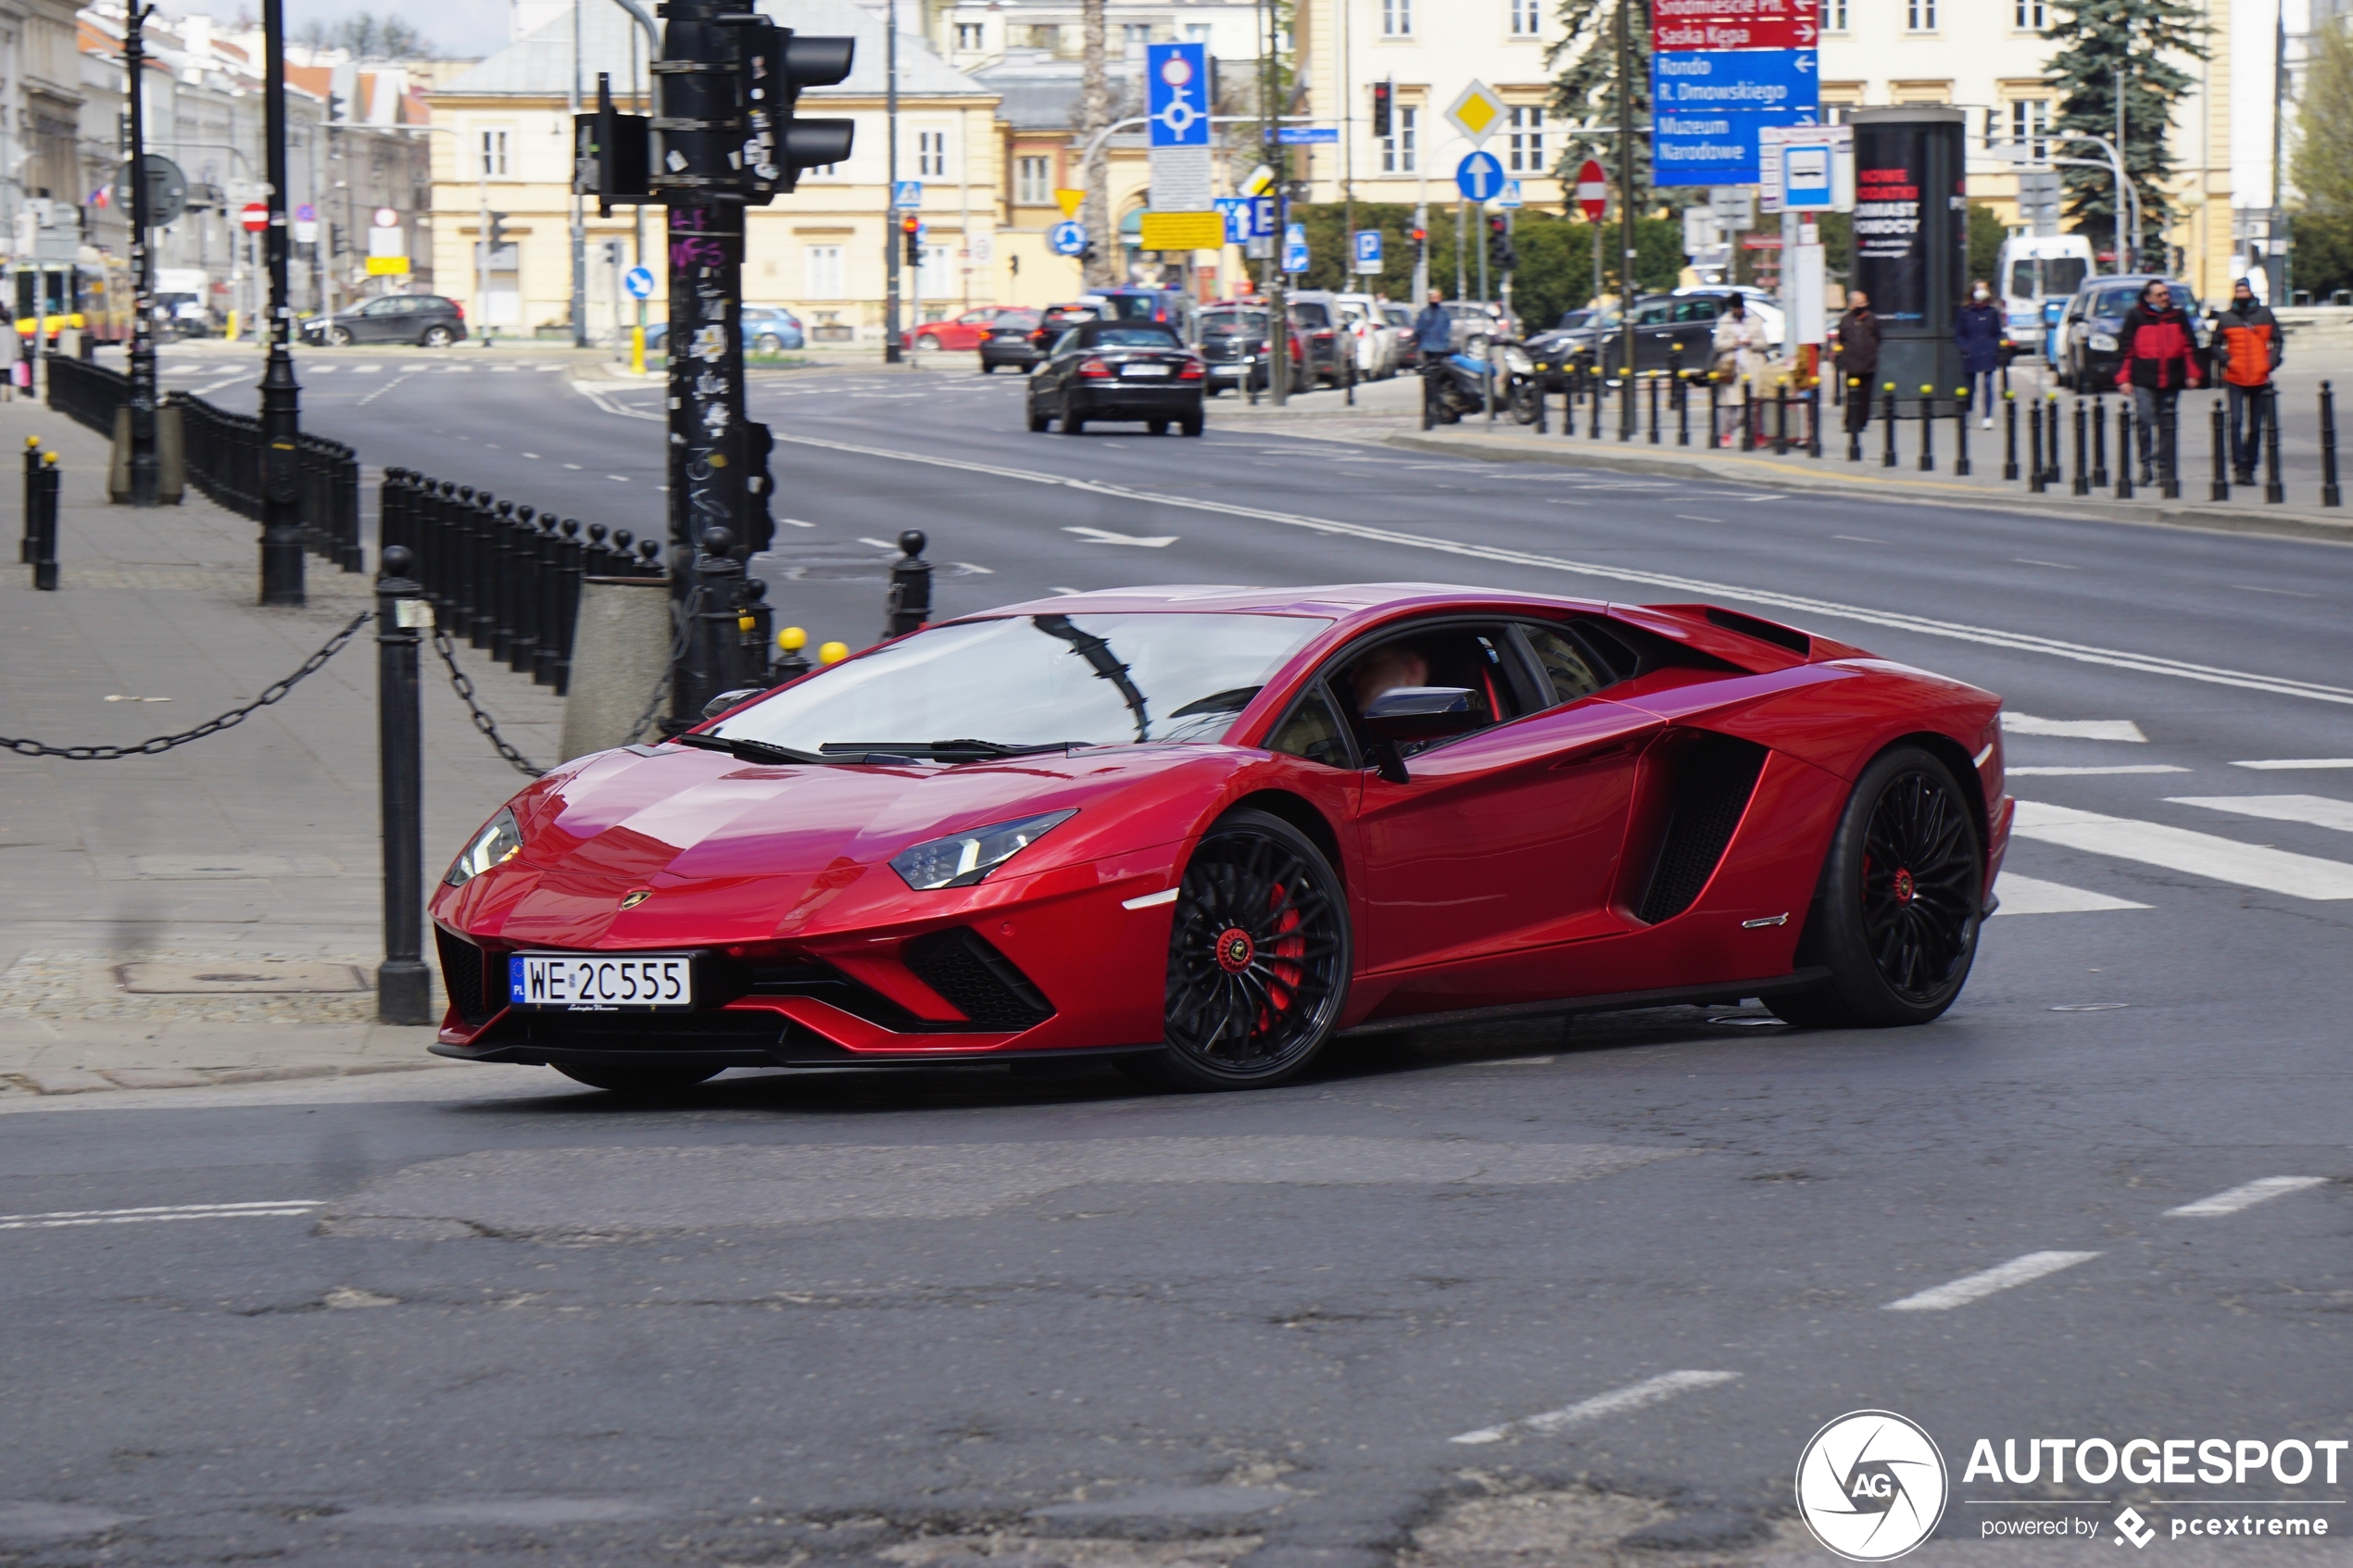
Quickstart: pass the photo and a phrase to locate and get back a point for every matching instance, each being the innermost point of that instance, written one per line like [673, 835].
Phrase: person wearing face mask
[1977, 328]
[2159, 360]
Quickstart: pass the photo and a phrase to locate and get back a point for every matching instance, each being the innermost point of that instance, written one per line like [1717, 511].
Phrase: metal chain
[482, 722]
[275, 692]
[682, 629]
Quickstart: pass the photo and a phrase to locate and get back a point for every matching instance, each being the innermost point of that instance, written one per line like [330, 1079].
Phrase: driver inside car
[1388, 668]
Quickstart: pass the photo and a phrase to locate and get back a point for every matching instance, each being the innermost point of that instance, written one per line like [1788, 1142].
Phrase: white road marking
[2073, 729]
[367, 370]
[2057, 566]
[323, 369]
[291, 1207]
[2317, 809]
[1633, 1397]
[2032, 896]
[216, 386]
[796, 522]
[1686, 516]
[2087, 773]
[2245, 1196]
[2284, 593]
[1990, 637]
[573, 466]
[1105, 536]
[1970, 1287]
[618, 478]
[2200, 854]
[1858, 539]
[534, 456]
[2271, 764]
[1151, 900]
[400, 379]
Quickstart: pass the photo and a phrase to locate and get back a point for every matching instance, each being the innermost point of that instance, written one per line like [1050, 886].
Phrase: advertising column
[1911, 246]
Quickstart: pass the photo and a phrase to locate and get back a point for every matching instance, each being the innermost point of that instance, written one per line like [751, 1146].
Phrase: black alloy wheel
[1258, 957]
[1901, 897]
[643, 1083]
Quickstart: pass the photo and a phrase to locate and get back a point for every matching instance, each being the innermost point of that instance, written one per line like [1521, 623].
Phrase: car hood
[758, 850]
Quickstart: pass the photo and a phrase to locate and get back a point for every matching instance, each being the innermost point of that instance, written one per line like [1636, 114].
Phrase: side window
[1065, 344]
[1569, 671]
[1653, 314]
[1476, 658]
[1695, 310]
[1313, 731]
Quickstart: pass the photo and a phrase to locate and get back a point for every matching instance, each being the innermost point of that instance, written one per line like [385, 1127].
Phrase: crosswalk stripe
[2200, 854]
[2089, 773]
[2317, 809]
[2073, 729]
[2268, 763]
[2032, 896]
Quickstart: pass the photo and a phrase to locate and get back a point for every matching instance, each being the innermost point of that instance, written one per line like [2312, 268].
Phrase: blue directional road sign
[1307, 135]
[1235, 212]
[1295, 248]
[1067, 238]
[1176, 85]
[907, 194]
[1262, 218]
[1479, 176]
[1710, 104]
[1368, 250]
[639, 280]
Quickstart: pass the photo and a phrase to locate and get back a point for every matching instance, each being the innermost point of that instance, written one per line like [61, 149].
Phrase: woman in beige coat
[1740, 345]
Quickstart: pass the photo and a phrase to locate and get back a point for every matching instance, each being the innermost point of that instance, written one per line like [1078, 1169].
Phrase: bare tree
[1094, 114]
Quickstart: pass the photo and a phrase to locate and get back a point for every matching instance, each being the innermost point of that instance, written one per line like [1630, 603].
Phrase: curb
[83, 1081]
[2205, 519]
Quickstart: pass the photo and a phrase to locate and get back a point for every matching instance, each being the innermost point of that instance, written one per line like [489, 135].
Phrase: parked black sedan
[425, 318]
[1118, 370]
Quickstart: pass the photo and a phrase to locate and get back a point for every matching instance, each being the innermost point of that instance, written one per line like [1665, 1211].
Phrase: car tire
[438, 337]
[1156, 427]
[339, 336]
[1072, 423]
[928, 343]
[987, 369]
[768, 343]
[1037, 420]
[1259, 959]
[1193, 426]
[1898, 939]
[644, 1082]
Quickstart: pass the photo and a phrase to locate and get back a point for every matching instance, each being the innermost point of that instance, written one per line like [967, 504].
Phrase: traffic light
[1383, 92]
[1500, 253]
[910, 229]
[612, 153]
[496, 238]
[774, 67]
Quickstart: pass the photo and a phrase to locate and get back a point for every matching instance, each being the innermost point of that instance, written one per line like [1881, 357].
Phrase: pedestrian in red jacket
[2160, 359]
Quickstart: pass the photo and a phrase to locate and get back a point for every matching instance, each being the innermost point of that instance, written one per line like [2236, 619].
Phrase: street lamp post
[281, 395]
[146, 468]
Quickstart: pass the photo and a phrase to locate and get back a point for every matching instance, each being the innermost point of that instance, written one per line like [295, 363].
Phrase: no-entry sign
[1593, 191]
[254, 216]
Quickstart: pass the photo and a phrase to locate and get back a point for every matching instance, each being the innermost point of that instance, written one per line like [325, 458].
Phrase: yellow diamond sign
[1476, 112]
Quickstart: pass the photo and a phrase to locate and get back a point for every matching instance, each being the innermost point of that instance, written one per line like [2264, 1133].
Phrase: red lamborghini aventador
[1206, 830]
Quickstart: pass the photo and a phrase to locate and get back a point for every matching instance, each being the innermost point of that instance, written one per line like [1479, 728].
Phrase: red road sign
[254, 216]
[1734, 24]
[1593, 191]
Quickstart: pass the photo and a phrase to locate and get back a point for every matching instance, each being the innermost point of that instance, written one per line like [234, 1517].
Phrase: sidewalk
[211, 914]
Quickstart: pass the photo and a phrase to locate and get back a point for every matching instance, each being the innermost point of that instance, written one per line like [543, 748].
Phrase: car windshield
[1128, 308]
[1035, 680]
[2112, 304]
[1134, 337]
[1229, 322]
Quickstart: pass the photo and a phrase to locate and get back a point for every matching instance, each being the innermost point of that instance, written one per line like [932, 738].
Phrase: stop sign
[255, 217]
[1593, 191]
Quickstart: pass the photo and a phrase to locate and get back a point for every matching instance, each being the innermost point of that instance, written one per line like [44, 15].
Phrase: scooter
[1458, 386]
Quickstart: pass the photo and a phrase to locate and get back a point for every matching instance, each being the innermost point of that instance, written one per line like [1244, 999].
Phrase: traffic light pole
[147, 467]
[281, 395]
[890, 134]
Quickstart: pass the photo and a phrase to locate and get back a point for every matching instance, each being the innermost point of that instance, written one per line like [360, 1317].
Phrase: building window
[1397, 149]
[494, 155]
[1197, 32]
[968, 35]
[931, 154]
[1396, 18]
[2029, 121]
[1046, 36]
[935, 277]
[1032, 180]
[821, 272]
[1526, 18]
[1919, 16]
[1137, 34]
[2028, 16]
[1525, 153]
[1834, 16]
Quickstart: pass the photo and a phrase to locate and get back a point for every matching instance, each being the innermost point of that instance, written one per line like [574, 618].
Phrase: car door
[388, 318]
[1692, 341]
[1505, 841]
[1654, 334]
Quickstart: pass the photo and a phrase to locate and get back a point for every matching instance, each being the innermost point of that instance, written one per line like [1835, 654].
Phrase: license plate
[1147, 369]
[601, 983]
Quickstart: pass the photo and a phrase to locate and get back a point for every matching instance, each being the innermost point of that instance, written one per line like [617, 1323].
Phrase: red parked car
[1209, 832]
[962, 334]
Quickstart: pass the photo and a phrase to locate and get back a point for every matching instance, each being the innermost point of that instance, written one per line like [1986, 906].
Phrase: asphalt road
[481, 1316]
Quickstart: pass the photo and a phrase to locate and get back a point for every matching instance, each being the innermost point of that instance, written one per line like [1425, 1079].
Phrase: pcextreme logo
[1871, 1486]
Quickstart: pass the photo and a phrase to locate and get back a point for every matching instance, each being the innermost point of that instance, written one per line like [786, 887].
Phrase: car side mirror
[1409, 713]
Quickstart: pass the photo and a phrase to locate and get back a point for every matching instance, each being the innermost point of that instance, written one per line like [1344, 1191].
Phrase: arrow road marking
[1105, 536]
[1795, 604]
[1633, 1397]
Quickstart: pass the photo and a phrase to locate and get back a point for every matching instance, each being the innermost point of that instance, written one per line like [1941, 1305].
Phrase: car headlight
[963, 858]
[502, 840]
[2102, 343]
[1516, 361]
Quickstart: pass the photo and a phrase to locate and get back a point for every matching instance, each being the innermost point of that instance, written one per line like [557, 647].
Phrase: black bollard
[1887, 424]
[1715, 413]
[2274, 492]
[2100, 444]
[790, 663]
[648, 563]
[44, 537]
[572, 565]
[522, 540]
[2330, 494]
[1780, 418]
[1597, 382]
[1928, 429]
[2051, 435]
[1814, 420]
[1854, 433]
[404, 987]
[1653, 398]
[2009, 435]
[1960, 432]
[908, 605]
[715, 663]
[1682, 409]
[2220, 488]
[2169, 451]
[2124, 450]
[31, 483]
[2082, 471]
[2037, 479]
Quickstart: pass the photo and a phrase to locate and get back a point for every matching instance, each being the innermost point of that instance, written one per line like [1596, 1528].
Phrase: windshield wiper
[943, 750]
[744, 750]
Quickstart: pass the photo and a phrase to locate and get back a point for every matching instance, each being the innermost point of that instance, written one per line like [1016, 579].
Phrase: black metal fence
[85, 392]
[505, 577]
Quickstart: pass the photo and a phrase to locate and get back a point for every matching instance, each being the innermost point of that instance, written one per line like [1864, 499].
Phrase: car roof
[1345, 601]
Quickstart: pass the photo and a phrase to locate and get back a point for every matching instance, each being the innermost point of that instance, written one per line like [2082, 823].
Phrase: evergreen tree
[1585, 90]
[2141, 40]
[2322, 165]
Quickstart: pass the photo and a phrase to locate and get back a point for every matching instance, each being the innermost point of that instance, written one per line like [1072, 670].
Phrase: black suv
[426, 320]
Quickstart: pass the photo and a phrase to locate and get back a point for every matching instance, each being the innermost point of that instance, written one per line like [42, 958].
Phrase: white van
[2034, 269]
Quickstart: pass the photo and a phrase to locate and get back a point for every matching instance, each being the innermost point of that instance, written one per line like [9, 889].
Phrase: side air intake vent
[981, 982]
[1714, 777]
[1787, 637]
[461, 976]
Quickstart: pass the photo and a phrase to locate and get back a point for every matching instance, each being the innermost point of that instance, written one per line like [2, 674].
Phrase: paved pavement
[1476, 1298]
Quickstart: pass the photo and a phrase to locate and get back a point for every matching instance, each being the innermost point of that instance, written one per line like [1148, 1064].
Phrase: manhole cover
[267, 977]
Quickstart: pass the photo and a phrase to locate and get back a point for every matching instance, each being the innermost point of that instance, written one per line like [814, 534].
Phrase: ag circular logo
[1871, 1486]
